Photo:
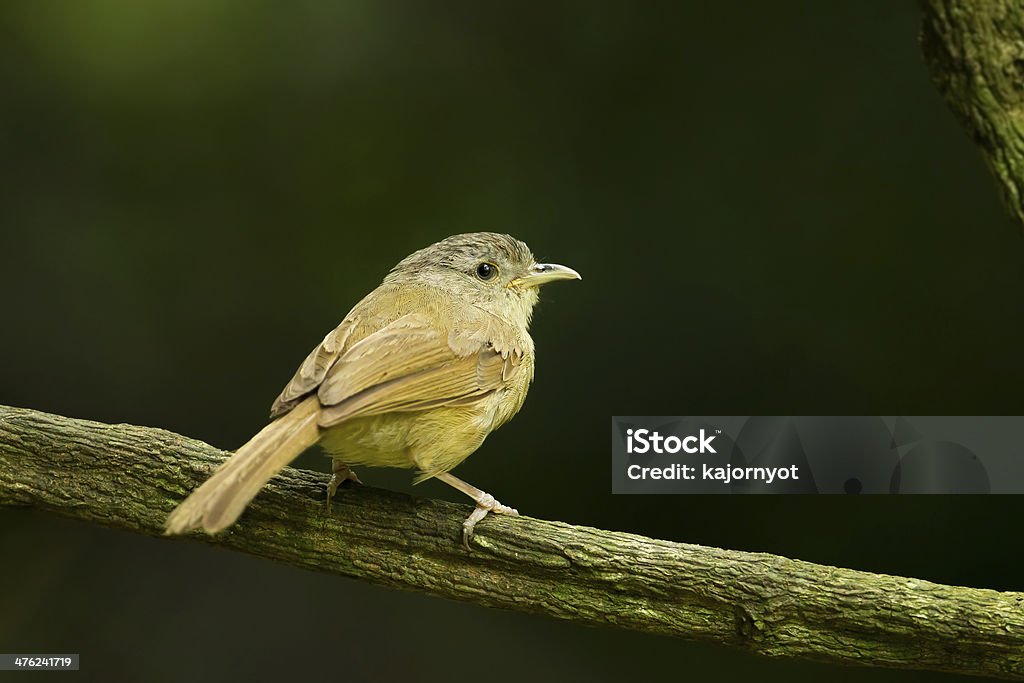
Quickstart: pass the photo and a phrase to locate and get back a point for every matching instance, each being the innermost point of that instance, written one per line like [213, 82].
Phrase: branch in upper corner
[975, 51]
[130, 477]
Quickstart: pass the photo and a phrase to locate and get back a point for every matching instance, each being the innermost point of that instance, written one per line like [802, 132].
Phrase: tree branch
[130, 477]
[975, 51]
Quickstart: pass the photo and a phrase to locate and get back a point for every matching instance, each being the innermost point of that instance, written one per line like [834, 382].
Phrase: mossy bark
[975, 51]
[130, 477]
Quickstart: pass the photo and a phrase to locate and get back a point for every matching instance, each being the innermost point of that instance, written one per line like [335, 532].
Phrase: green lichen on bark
[975, 52]
[130, 477]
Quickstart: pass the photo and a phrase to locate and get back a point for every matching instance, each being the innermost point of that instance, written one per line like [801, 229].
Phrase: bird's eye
[486, 271]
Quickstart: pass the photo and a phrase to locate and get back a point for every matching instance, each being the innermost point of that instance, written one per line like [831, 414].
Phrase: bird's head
[490, 270]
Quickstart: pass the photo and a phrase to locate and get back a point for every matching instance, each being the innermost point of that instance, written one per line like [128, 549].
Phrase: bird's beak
[543, 273]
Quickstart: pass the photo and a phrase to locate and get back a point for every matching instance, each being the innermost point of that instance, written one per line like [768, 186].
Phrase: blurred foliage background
[773, 211]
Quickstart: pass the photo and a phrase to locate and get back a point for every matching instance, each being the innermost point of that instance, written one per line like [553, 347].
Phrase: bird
[416, 375]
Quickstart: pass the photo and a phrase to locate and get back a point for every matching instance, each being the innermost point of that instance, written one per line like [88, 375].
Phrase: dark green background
[772, 208]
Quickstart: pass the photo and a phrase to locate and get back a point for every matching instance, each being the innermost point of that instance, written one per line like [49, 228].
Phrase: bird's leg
[485, 503]
[340, 473]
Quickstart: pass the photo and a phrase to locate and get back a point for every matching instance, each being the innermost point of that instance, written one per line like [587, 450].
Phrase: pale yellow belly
[433, 441]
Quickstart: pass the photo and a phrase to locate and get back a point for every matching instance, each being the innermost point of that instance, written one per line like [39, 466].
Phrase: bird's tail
[216, 504]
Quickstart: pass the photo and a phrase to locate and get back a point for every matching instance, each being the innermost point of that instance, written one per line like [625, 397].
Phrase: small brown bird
[416, 375]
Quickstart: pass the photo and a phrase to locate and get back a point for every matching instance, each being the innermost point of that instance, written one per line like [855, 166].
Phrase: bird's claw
[486, 504]
[339, 477]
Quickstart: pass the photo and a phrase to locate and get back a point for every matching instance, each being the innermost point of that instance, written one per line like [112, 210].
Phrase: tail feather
[216, 504]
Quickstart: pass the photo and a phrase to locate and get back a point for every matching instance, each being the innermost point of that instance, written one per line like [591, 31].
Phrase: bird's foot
[340, 473]
[484, 503]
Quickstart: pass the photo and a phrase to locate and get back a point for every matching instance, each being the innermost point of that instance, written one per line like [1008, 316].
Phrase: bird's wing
[411, 365]
[313, 370]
